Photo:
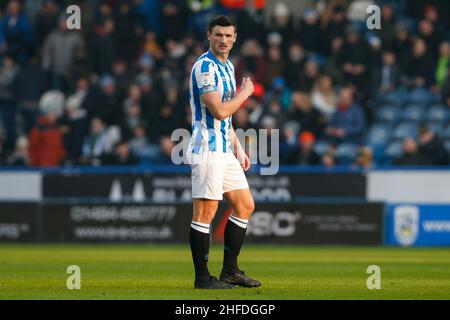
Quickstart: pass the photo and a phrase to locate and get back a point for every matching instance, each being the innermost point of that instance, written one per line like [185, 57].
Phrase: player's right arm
[222, 110]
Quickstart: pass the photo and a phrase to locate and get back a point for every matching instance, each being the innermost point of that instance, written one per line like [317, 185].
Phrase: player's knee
[250, 206]
[247, 209]
[204, 216]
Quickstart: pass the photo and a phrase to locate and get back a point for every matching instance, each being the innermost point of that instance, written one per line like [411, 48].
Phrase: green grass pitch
[165, 272]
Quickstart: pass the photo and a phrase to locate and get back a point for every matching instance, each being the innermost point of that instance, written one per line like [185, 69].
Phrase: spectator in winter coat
[61, 49]
[17, 32]
[46, 145]
[347, 123]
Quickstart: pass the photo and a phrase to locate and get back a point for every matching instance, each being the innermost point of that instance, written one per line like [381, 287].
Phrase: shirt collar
[213, 58]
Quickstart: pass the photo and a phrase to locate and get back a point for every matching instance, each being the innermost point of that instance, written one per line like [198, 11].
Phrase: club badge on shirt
[207, 79]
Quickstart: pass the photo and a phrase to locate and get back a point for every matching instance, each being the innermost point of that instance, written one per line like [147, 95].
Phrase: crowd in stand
[122, 80]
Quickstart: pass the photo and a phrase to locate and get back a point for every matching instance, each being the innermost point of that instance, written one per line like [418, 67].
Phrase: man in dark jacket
[431, 148]
[410, 156]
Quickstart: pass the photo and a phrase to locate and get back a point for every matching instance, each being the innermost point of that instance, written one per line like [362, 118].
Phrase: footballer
[218, 160]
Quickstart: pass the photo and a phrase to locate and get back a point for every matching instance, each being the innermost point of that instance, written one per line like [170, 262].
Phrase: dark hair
[223, 21]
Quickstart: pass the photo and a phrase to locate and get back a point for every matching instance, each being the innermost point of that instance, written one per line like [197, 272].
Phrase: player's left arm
[239, 151]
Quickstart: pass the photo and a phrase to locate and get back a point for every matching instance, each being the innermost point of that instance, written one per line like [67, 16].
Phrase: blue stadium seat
[420, 96]
[346, 153]
[394, 149]
[320, 147]
[405, 129]
[388, 113]
[413, 113]
[437, 98]
[379, 134]
[437, 127]
[437, 113]
[397, 97]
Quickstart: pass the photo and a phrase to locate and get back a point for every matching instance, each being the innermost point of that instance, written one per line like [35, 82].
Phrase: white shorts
[216, 173]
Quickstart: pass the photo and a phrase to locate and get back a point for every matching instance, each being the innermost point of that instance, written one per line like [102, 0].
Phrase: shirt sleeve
[206, 77]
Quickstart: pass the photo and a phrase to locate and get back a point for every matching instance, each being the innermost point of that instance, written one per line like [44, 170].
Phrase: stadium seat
[394, 149]
[379, 134]
[397, 97]
[437, 127]
[388, 113]
[346, 153]
[405, 129]
[320, 147]
[413, 113]
[436, 98]
[420, 96]
[437, 113]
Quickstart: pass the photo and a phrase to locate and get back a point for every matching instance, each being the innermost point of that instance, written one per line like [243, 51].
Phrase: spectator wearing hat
[108, 105]
[46, 143]
[279, 91]
[375, 48]
[306, 155]
[281, 22]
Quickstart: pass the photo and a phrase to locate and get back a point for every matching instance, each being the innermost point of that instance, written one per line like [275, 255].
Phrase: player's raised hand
[247, 86]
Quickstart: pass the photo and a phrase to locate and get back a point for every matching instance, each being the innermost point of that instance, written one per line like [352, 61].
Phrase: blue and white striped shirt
[209, 74]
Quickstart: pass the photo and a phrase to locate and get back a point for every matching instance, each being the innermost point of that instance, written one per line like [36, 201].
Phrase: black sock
[233, 238]
[199, 240]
